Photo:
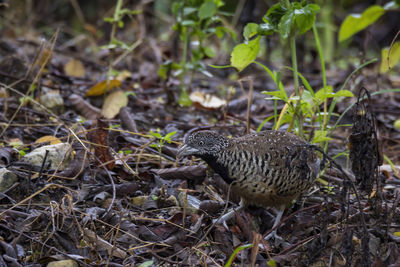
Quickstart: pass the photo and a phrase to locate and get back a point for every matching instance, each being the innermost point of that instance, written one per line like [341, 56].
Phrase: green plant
[355, 23]
[197, 21]
[289, 20]
[117, 22]
[161, 140]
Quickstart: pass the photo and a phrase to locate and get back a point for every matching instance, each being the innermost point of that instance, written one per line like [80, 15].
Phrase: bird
[268, 169]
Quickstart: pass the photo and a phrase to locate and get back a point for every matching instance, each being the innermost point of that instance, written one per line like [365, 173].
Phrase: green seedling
[161, 140]
[196, 23]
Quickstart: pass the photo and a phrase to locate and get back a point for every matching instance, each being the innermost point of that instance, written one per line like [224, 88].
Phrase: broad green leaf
[244, 54]
[189, 10]
[320, 136]
[274, 15]
[250, 30]
[394, 57]
[207, 9]
[265, 29]
[305, 17]
[323, 94]
[356, 22]
[286, 24]
[345, 93]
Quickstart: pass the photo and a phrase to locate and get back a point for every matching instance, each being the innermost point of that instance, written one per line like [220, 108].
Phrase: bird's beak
[186, 150]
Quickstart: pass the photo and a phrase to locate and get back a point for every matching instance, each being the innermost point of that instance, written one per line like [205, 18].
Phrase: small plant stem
[328, 33]
[292, 41]
[294, 64]
[321, 57]
[184, 57]
[116, 18]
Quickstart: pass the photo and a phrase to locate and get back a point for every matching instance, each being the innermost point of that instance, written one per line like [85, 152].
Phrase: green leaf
[250, 30]
[235, 252]
[188, 23]
[394, 57]
[278, 94]
[184, 99]
[208, 51]
[345, 93]
[146, 264]
[244, 54]
[286, 24]
[274, 15]
[320, 136]
[265, 29]
[356, 22]
[207, 9]
[305, 17]
[271, 263]
[169, 135]
[189, 10]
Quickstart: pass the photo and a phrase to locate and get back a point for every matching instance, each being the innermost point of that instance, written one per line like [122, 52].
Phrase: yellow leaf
[113, 103]
[74, 68]
[102, 87]
[394, 57]
[48, 138]
[396, 233]
[44, 58]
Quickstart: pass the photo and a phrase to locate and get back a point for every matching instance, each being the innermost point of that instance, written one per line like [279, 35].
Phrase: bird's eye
[201, 143]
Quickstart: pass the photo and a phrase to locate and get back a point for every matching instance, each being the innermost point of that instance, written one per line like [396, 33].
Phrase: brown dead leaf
[102, 244]
[99, 137]
[102, 87]
[75, 68]
[113, 104]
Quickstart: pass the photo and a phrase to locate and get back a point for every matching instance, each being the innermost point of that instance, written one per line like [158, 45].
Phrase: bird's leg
[229, 215]
[277, 221]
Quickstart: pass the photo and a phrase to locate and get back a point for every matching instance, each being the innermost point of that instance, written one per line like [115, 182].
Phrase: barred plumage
[268, 169]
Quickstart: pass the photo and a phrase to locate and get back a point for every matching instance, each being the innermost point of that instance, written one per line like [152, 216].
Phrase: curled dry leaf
[102, 244]
[207, 100]
[84, 108]
[102, 87]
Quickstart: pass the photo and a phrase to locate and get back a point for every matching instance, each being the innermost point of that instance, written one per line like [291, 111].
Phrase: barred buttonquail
[267, 169]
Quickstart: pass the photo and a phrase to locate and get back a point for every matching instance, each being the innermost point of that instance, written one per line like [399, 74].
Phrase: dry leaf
[113, 104]
[123, 75]
[48, 138]
[44, 58]
[102, 87]
[74, 68]
[102, 244]
[206, 100]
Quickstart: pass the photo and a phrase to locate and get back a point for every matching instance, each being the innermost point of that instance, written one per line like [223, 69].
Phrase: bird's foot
[227, 216]
[278, 240]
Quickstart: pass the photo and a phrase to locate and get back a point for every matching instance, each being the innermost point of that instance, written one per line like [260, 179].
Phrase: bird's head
[203, 143]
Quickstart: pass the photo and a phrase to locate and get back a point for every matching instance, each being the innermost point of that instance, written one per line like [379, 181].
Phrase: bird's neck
[217, 167]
